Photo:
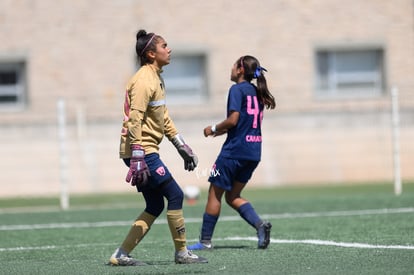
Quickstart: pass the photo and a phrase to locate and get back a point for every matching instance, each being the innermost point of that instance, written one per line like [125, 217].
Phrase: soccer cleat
[200, 246]
[121, 258]
[125, 261]
[263, 234]
[189, 258]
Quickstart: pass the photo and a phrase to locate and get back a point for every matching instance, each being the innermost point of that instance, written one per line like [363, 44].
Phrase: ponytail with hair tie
[258, 72]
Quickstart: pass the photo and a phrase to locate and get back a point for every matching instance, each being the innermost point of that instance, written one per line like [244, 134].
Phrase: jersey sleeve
[139, 95]
[169, 127]
[235, 99]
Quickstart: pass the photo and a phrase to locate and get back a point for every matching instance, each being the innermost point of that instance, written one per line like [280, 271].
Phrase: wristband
[178, 141]
[138, 153]
[214, 128]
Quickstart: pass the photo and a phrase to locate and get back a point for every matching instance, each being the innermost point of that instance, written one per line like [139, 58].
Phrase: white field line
[49, 247]
[254, 239]
[322, 242]
[222, 218]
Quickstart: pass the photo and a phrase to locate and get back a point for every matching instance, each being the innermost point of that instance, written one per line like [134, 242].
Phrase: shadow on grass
[216, 247]
[143, 264]
[160, 262]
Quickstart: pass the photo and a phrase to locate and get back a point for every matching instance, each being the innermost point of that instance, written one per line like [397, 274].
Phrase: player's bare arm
[222, 127]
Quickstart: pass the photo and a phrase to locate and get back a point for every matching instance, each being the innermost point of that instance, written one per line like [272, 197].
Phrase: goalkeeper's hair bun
[140, 34]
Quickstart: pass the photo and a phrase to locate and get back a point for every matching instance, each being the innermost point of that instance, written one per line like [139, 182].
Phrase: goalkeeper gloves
[190, 159]
[138, 169]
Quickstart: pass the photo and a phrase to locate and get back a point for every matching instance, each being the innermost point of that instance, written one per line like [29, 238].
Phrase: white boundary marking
[48, 247]
[326, 243]
[254, 239]
[223, 218]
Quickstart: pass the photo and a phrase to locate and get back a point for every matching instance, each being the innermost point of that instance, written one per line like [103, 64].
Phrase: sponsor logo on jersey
[250, 138]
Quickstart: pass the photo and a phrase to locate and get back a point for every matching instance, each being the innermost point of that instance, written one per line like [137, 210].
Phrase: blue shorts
[160, 174]
[225, 171]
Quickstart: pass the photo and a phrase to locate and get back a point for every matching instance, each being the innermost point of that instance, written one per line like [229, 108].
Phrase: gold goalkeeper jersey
[146, 119]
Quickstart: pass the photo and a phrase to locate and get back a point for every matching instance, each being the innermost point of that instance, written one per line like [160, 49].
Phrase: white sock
[119, 252]
[182, 252]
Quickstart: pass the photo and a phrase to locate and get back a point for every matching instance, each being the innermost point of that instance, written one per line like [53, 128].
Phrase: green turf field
[342, 229]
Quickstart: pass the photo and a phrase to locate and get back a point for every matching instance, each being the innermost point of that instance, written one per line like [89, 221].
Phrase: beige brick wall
[296, 150]
[84, 51]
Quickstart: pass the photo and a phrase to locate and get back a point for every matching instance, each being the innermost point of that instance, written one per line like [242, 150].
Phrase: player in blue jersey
[240, 153]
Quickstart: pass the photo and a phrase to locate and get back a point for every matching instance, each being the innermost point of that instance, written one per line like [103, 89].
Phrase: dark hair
[253, 70]
[145, 42]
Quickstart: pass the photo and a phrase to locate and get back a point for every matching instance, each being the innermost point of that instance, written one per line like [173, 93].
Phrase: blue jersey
[244, 141]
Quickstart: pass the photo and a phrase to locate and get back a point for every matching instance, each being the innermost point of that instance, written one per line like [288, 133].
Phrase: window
[185, 79]
[350, 73]
[12, 85]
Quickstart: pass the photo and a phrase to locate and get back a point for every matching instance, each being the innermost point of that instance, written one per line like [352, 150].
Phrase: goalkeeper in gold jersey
[146, 122]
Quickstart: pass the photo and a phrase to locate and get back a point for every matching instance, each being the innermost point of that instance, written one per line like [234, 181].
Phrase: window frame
[187, 82]
[17, 89]
[377, 78]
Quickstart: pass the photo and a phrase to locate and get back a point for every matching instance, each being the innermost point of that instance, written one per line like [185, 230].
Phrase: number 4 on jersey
[253, 109]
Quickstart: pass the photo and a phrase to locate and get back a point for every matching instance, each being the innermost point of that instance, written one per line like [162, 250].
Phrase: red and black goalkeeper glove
[190, 159]
[138, 169]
